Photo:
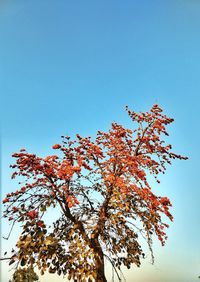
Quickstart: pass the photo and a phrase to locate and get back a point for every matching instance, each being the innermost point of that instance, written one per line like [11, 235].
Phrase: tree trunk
[100, 269]
[99, 262]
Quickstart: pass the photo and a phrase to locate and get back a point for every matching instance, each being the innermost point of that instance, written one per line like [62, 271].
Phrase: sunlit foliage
[24, 275]
[101, 188]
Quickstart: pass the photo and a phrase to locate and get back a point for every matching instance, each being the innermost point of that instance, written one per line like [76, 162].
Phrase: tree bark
[100, 270]
[99, 261]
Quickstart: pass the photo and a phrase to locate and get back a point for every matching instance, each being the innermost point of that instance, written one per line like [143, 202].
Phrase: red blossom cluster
[32, 214]
[71, 201]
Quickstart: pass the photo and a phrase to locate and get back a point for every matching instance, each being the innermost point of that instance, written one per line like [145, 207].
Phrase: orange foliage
[116, 165]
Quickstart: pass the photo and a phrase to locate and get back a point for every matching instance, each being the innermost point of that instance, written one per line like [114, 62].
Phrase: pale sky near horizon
[70, 67]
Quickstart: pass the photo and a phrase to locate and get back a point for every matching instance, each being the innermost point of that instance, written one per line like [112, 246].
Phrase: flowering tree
[103, 193]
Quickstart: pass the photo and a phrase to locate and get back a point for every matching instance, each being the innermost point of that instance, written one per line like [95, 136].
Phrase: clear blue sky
[72, 66]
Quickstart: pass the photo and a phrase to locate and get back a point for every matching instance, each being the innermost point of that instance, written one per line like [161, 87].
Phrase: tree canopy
[102, 190]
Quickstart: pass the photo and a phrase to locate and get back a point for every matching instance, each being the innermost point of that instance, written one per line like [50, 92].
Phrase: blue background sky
[72, 66]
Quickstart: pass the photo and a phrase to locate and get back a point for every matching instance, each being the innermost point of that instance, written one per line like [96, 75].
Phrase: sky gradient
[70, 67]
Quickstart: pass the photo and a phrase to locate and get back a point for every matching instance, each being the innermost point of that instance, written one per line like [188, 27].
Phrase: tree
[25, 275]
[102, 190]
